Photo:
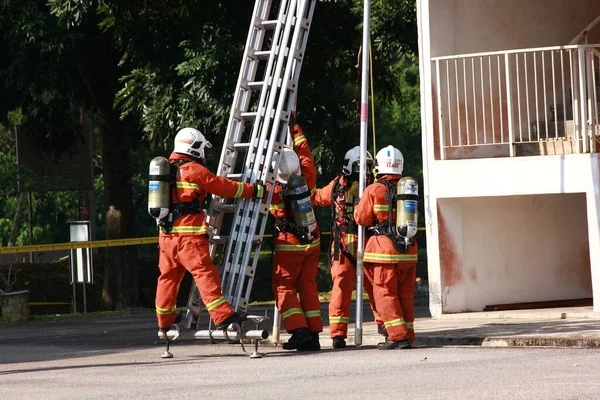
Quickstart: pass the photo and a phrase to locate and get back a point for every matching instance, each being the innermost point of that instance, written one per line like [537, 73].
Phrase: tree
[146, 69]
[50, 68]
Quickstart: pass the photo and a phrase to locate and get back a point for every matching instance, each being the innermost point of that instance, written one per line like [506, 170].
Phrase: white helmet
[190, 141]
[390, 161]
[289, 165]
[352, 161]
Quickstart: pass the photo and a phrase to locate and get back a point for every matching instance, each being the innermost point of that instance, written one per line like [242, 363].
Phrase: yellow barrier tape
[77, 245]
[35, 248]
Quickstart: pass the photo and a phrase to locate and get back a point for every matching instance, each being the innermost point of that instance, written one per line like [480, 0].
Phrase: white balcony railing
[511, 99]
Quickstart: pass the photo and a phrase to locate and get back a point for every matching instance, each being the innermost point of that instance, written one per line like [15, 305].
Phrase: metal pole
[276, 330]
[73, 281]
[364, 117]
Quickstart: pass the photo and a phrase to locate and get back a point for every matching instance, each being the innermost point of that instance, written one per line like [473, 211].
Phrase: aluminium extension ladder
[258, 127]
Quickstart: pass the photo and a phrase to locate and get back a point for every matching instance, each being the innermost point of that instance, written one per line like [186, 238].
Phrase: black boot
[382, 331]
[339, 342]
[299, 337]
[394, 344]
[312, 345]
[236, 317]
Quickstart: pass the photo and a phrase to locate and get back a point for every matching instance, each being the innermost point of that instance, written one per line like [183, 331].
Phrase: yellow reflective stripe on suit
[394, 322]
[297, 247]
[290, 312]
[187, 185]
[375, 257]
[166, 310]
[279, 206]
[216, 303]
[190, 229]
[240, 190]
[381, 207]
[338, 320]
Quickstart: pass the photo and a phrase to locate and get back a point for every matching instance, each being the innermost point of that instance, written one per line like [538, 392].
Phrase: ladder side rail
[241, 101]
[258, 118]
[239, 236]
[283, 130]
[246, 58]
[254, 42]
[288, 87]
[229, 272]
[246, 225]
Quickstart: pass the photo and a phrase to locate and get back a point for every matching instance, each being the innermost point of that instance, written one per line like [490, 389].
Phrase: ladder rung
[247, 115]
[241, 146]
[235, 177]
[220, 239]
[269, 23]
[255, 85]
[226, 207]
[261, 54]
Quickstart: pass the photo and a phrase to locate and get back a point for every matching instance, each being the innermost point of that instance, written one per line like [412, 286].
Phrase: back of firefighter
[185, 245]
[340, 194]
[393, 274]
[295, 264]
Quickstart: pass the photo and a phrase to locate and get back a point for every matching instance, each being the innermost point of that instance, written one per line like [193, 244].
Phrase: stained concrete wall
[512, 249]
[457, 192]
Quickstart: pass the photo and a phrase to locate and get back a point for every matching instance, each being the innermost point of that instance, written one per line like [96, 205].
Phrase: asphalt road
[119, 358]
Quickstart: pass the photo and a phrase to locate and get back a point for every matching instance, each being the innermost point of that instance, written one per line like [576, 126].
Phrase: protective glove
[259, 191]
[292, 121]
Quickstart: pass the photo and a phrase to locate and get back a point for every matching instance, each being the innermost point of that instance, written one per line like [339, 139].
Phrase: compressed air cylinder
[298, 194]
[407, 214]
[158, 188]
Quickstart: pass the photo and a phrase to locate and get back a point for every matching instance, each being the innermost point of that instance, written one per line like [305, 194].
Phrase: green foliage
[175, 64]
[49, 210]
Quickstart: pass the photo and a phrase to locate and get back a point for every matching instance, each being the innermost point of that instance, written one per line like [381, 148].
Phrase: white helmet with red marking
[389, 161]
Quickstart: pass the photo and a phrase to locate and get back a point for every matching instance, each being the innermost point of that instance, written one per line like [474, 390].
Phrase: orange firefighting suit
[295, 265]
[343, 253]
[186, 245]
[392, 274]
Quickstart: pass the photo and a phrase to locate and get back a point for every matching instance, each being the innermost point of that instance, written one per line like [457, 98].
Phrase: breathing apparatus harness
[340, 221]
[179, 208]
[288, 224]
[388, 227]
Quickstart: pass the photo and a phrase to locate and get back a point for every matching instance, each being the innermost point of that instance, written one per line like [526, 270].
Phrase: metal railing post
[509, 110]
[583, 99]
[439, 110]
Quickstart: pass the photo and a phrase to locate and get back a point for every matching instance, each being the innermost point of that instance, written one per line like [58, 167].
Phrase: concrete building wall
[472, 26]
[467, 267]
[546, 207]
[513, 249]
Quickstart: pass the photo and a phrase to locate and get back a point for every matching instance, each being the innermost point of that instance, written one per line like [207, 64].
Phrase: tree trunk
[98, 67]
[15, 225]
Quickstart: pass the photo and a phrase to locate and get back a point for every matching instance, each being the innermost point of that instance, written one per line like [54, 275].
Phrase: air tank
[298, 195]
[158, 188]
[407, 213]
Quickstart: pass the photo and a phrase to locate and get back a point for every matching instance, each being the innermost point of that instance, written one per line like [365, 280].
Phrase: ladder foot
[166, 354]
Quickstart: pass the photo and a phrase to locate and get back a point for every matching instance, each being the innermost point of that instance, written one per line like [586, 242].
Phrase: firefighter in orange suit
[296, 259]
[340, 194]
[183, 244]
[392, 273]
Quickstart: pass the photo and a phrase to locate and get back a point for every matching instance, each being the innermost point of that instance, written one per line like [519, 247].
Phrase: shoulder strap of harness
[178, 208]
